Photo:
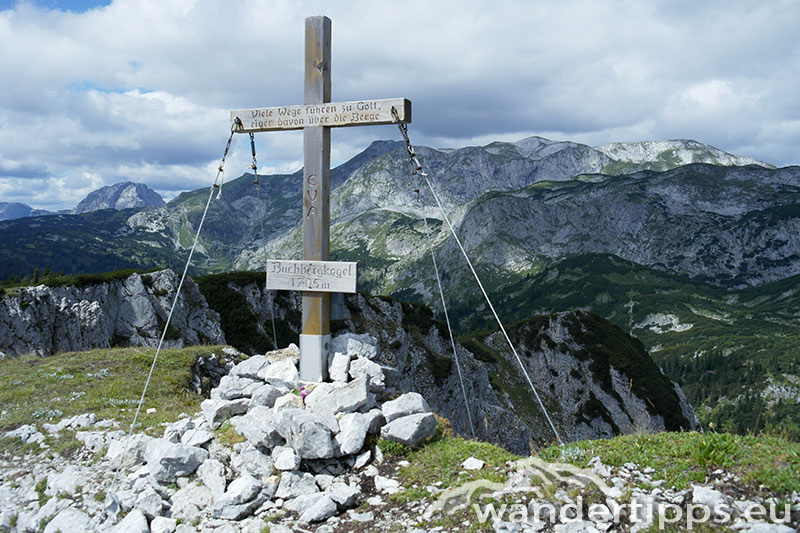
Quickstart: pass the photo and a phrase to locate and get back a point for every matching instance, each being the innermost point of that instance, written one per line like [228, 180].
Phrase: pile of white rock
[301, 446]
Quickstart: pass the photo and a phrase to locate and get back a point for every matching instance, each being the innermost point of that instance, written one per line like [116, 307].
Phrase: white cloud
[141, 89]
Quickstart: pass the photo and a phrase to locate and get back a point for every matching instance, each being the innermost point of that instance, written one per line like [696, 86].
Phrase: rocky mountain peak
[674, 153]
[122, 195]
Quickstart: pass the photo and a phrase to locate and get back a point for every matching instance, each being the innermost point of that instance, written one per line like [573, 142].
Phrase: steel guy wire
[215, 185]
[418, 168]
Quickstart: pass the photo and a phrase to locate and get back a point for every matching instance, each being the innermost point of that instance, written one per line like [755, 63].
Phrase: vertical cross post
[316, 331]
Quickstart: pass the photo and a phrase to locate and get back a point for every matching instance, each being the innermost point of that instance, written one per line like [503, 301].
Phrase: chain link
[221, 168]
[411, 153]
[254, 164]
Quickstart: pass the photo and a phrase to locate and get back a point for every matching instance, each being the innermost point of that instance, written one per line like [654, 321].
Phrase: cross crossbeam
[316, 116]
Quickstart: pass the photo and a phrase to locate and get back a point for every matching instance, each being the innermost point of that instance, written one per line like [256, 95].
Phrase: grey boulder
[410, 430]
[167, 461]
[408, 404]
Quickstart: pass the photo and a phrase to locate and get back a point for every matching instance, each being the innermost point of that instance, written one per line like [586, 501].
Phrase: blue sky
[100, 92]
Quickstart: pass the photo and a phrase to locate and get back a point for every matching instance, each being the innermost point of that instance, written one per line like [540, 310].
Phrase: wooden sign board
[315, 276]
[294, 117]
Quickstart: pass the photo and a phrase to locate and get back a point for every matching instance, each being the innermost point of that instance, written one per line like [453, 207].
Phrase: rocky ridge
[269, 450]
[125, 312]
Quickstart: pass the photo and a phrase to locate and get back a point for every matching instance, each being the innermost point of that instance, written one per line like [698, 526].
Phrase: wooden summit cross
[316, 276]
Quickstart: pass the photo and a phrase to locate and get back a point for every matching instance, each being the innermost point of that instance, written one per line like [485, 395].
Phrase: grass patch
[107, 383]
[686, 458]
[440, 461]
[227, 435]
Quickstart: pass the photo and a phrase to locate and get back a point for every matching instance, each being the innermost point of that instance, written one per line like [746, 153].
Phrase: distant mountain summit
[15, 210]
[666, 155]
[124, 195]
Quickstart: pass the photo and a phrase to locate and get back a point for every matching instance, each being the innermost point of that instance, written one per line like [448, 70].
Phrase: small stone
[249, 368]
[385, 484]
[345, 496]
[339, 398]
[196, 437]
[217, 411]
[472, 463]
[68, 520]
[363, 367]
[355, 345]
[167, 461]
[150, 502]
[284, 458]
[291, 352]
[235, 387]
[339, 367]
[257, 427]
[134, 522]
[212, 474]
[66, 481]
[266, 395]
[288, 400]
[352, 432]
[162, 524]
[375, 420]
[189, 501]
[362, 460]
[323, 508]
[281, 373]
[294, 484]
[249, 460]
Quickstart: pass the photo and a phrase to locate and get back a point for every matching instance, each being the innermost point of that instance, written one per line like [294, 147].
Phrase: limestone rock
[189, 501]
[249, 460]
[307, 432]
[294, 484]
[363, 367]
[70, 520]
[282, 372]
[67, 481]
[241, 498]
[323, 509]
[134, 522]
[339, 398]
[352, 432]
[249, 368]
[408, 404]
[291, 352]
[235, 387]
[257, 427]
[217, 411]
[284, 458]
[345, 496]
[355, 345]
[167, 461]
[212, 474]
[266, 395]
[162, 524]
[410, 430]
[339, 367]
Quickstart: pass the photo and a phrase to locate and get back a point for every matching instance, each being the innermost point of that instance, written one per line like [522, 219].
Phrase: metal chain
[418, 169]
[411, 153]
[254, 164]
[221, 169]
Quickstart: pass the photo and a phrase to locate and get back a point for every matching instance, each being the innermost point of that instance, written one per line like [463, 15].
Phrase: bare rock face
[128, 312]
[123, 195]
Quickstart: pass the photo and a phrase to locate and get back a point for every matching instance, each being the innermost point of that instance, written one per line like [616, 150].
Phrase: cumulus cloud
[140, 89]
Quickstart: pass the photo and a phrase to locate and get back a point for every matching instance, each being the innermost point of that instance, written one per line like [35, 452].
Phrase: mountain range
[123, 195]
[687, 247]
